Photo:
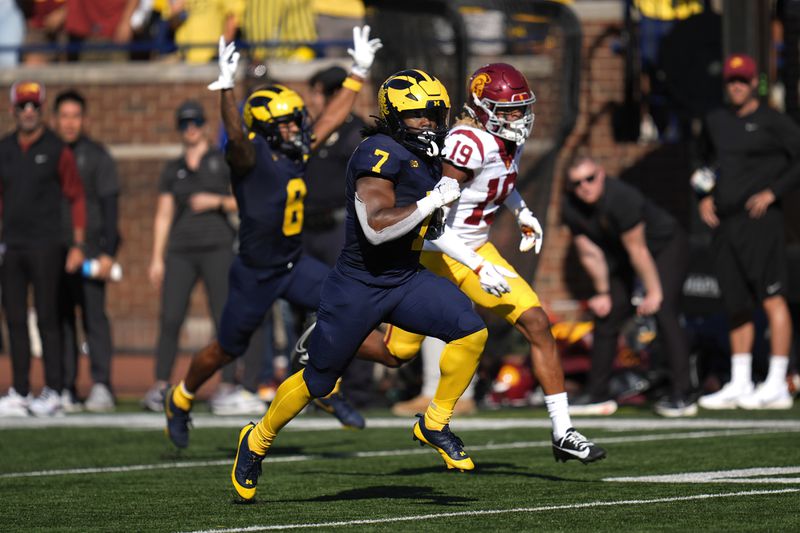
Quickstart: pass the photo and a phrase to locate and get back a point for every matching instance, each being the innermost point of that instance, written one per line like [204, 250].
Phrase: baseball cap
[739, 66]
[190, 110]
[27, 91]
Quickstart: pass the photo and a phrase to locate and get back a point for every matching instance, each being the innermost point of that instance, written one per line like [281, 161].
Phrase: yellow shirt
[204, 23]
[340, 8]
[669, 9]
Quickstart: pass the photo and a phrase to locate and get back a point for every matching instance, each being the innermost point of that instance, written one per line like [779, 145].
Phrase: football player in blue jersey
[267, 167]
[393, 189]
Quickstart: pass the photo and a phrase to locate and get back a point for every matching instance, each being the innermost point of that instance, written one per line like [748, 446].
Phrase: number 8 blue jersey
[270, 200]
[393, 262]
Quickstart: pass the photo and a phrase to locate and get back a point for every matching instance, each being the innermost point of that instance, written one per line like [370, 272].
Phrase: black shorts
[750, 260]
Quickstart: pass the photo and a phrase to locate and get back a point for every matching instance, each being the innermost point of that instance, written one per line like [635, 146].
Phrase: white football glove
[532, 234]
[493, 278]
[445, 192]
[363, 51]
[228, 61]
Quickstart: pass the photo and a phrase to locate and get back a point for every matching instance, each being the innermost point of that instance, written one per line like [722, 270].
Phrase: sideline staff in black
[619, 234]
[755, 150]
[37, 170]
[101, 184]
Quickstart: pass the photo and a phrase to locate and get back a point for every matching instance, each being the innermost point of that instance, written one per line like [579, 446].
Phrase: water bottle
[91, 267]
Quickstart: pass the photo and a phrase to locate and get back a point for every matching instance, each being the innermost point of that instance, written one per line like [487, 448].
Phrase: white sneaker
[154, 398]
[48, 403]
[14, 404]
[238, 401]
[727, 397]
[100, 399]
[70, 403]
[767, 397]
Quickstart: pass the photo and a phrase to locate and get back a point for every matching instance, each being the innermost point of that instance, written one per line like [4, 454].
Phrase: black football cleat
[178, 421]
[338, 406]
[246, 466]
[573, 445]
[450, 447]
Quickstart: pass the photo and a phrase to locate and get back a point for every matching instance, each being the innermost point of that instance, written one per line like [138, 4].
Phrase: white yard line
[395, 453]
[544, 508]
[743, 475]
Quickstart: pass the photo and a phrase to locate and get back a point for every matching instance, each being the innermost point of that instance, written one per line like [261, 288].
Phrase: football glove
[228, 61]
[445, 192]
[532, 234]
[493, 278]
[363, 51]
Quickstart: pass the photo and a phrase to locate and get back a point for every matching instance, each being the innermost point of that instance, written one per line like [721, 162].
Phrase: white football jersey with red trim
[495, 171]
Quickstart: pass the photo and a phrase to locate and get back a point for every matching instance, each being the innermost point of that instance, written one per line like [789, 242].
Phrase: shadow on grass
[389, 492]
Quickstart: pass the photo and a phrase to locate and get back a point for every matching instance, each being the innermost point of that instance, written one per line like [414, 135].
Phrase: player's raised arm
[240, 152]
[335, 113]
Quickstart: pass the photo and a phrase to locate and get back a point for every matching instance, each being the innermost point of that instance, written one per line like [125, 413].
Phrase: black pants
[182, 270]
[90, 296]
[672, 265]
[40, 267]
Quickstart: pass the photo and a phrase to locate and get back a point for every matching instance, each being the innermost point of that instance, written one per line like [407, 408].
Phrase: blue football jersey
[393, 262]
[270, 199]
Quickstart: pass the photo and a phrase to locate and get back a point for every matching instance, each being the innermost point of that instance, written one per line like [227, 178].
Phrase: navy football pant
[251, 293]
[350, 310]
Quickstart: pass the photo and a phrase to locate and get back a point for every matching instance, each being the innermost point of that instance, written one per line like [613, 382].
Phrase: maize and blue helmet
[268, 107]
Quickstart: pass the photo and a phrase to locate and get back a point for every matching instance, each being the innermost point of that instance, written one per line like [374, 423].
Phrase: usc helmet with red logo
[500, 87]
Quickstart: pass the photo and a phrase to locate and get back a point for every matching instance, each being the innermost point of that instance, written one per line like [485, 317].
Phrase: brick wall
[131, 109]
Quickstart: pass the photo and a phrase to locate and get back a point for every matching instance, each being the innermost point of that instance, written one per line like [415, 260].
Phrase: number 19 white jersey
[495, 172]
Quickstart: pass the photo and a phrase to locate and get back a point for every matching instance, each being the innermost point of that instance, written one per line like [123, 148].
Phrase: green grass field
[119, 473]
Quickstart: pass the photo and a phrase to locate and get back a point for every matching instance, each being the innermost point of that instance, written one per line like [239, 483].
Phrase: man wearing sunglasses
[37, 171]
[756, 151]
[621, 235]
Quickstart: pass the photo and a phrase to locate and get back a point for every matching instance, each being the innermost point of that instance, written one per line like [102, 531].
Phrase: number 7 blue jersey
[412, 176]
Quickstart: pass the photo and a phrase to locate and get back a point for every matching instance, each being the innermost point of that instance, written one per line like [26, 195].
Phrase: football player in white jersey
[482, 152]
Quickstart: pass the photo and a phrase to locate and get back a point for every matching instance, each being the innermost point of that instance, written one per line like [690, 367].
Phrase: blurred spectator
[323, 228]
[107, 19]
[82, 289]
[12, 32]
[192, 237]
[619, 234]
[37, 170]
[45, 23]
[656, 20]
[280, 21]
[757, 153]
[198, 25]
[335, 20]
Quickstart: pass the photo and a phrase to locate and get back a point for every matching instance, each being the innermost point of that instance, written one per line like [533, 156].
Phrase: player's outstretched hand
[532, 233]
[228, 61]
[363, 51]
[493, 278]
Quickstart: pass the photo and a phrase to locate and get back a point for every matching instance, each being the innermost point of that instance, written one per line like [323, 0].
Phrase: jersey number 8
[293, 214]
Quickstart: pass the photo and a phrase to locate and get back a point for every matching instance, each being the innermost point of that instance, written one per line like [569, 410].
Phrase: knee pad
[469, 322]
[319, 384]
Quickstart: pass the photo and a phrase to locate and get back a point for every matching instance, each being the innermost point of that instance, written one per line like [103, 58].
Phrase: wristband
[352, 84]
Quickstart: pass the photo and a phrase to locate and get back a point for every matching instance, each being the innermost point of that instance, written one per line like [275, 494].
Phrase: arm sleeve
[625, 206]
[451, 244]
[107, 178]
[72, 187]
[109, 207]
[789, 136]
